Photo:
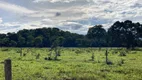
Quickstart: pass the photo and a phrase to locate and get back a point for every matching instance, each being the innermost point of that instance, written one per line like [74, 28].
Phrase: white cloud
[75, 15]
[10, 24]
[70, 25]
[15, 8]
[0, 20]
[9, 27]
[74, 27]
[47, 21]
[53, 1]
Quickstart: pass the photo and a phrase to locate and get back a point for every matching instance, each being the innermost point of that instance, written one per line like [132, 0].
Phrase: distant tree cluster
[120, 34]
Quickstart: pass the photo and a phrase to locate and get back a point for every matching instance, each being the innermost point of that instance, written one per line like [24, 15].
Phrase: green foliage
[98, 35]
[21, 41]
[13, 43]
[120, 34]
[124, 34]
[38, 41]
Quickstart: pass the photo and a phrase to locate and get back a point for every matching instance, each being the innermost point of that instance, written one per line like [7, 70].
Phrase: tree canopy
[120, 34]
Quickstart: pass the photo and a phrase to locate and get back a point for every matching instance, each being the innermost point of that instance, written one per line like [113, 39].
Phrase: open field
[73, 64]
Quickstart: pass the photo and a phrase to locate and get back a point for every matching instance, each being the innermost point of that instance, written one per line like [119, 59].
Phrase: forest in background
[120, 34]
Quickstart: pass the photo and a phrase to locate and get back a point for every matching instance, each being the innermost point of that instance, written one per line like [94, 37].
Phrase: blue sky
[71, 15]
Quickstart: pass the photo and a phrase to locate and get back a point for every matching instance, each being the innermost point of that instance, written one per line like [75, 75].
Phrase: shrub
[122, 53]
[121, 62]
[93, 56]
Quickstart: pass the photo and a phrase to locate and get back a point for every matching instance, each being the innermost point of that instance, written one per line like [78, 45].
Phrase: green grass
[72, 66]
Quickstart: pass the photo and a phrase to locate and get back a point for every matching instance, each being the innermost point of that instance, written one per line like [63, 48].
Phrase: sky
[76, 16]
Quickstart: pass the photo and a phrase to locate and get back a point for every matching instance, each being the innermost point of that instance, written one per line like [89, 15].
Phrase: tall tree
[123, 33]
[98, 35]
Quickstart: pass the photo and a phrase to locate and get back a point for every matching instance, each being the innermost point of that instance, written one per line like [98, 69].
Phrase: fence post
[7, 69]
[106, 57]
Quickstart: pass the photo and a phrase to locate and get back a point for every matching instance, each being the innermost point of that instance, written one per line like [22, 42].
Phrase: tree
[98, 35]
[5, 42]
[38, 41]
[12, 36]
[30, 41]
[114, 34]
[124, 33]
[120, 34]
[2, 36]
[21, 41]
[60, 41]
[139, 34]
[83, 42]
[56, 47]
[12, 43]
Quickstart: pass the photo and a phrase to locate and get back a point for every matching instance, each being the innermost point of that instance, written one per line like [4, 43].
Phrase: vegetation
[72, 66]
[120, 34]
[32, 60]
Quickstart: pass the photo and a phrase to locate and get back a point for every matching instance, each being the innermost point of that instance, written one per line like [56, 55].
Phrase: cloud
[0, 20]
[15, 8]
[47, 21]
[73, 27]
[72, 15]
[9, 27]
[53, 1]
[10, 24]
[57, 14]
[70, 25]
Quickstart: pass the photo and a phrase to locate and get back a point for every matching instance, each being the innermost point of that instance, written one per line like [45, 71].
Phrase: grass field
[73, 64]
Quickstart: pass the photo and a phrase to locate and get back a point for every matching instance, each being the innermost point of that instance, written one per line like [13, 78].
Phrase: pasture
[73, 64]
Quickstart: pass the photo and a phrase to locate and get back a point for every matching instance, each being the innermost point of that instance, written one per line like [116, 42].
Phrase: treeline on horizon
[120, 34]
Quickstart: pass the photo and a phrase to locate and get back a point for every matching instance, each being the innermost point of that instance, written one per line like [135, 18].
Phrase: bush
[114, 52]
[122, 53]
[121, 62]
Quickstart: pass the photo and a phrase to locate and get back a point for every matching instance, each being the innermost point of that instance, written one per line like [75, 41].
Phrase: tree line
[120, 34]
